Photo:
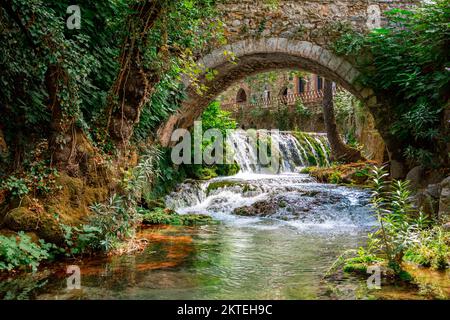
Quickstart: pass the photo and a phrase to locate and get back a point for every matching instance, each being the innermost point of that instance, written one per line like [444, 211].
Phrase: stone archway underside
[255, 56]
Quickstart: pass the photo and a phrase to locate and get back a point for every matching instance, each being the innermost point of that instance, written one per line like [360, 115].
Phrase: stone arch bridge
[295, 34]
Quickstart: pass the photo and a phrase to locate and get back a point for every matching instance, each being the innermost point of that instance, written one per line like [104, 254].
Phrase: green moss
[165, 216]
[205, 173]
[221, 184]
[335, 177]
[361, 262]
[306, 170]
[355, 268]
[315, 154]
[405, 276]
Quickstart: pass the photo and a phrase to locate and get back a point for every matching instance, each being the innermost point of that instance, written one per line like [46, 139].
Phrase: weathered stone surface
[427, 204]
[414, 177]
[294, 35]
[444, 202]
[434, 190]
[397, 170]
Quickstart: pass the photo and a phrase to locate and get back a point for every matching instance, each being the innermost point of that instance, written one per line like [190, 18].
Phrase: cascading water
[257, 196]
[294, 153]
[279, 234]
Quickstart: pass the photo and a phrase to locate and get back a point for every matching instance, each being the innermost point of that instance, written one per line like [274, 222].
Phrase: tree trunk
[135, 82]
[339, 151]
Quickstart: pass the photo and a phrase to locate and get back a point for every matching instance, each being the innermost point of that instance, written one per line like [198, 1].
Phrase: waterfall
[295, 150]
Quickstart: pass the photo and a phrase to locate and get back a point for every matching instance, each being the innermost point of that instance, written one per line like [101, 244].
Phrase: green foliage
[214, 118]
[349, 43]
[403, 234]
[406, 62]
[260, 81]
[189, 27]
[21, 252]
[400, 225]
[259, 112]
[431, 249]
[335, 177]
[301, 110]
[359, 264]
[115, 221]
[165, 100]
[35, 41]
[37, 179]
[281, 115]
[169, 176]
[81, 239]
[17, 187]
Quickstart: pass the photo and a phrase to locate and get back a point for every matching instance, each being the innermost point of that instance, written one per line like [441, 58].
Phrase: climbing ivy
[407, 62]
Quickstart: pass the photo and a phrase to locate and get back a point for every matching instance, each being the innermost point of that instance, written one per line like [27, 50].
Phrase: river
[276, 237]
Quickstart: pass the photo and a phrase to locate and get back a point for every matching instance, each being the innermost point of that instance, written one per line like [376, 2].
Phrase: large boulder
[444, 201]
[397, 169]
[43, 224]
[427, 201]
[415, 177]
[261, 208]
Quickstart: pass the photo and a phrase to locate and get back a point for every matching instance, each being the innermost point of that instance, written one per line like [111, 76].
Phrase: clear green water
[284, 255]
[210, 262]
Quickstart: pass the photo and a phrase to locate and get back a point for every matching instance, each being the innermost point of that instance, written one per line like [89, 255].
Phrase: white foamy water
[269, 201]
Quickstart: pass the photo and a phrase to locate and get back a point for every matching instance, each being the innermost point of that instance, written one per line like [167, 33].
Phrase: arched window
[319, 83]
[266, 93]
[241, 96]
[283, 95]
[300, 85]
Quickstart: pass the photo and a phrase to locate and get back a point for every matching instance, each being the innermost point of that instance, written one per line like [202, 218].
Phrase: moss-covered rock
[221, 184]
[261, 208]
[167, 216]
[353, 173]
[43, 224]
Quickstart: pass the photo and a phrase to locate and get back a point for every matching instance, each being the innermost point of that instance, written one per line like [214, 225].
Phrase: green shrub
[37, 179]
[432, 249]
[21, 252]
[406, 61]
[301, 110]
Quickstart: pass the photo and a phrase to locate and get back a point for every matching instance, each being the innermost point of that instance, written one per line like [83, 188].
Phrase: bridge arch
[294, 35]
[253, 56]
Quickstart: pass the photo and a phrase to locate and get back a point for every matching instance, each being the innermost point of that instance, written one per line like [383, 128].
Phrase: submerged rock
[291, 205]
[260, 208]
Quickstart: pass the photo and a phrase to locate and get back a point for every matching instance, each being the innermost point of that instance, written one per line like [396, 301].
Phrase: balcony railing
[290, 99]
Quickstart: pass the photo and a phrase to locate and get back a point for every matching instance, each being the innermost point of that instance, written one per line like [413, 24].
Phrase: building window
[319, 83]
[241, 96]
[266, 93]
[301, 85]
